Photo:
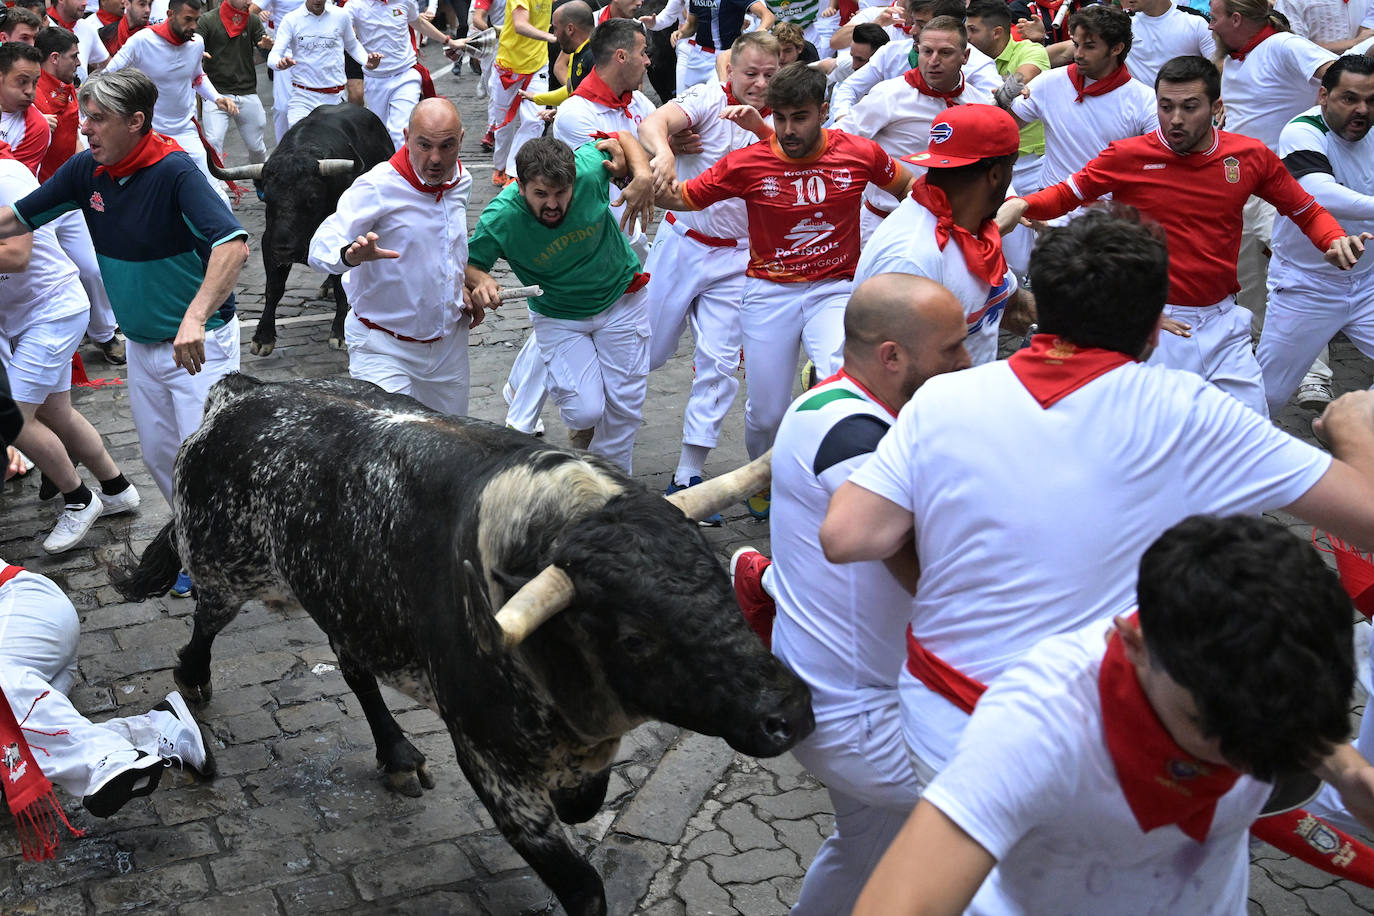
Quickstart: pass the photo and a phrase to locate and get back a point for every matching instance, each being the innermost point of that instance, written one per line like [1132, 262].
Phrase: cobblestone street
[298, 820]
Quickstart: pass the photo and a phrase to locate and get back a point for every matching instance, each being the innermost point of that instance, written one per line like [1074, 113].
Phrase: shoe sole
[122, 788]
[1315, 404]
[183, 712]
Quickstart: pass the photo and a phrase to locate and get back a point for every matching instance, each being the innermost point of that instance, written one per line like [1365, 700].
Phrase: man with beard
[1194, 180]
[232, 34]
[115, 33]
[801, 192]
[1309, 300]
[314, 38]
[554, 228]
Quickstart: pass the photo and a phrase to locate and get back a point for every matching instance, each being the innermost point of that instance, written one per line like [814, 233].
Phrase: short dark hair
[1249, 620]
[1101, 280]
[18, 15]
[39, 8]
[1192, 68]
[54, 40]
[611, 36]
[11, 51]
[1354, 64]
[953, 24]
[796, 86]
[549, 159]
[872, 34]
[994, 12]
[196, 5]
[953, 8]
[1108, 23]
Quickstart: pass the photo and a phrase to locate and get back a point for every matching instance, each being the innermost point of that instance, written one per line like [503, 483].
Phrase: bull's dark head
[644, 590]
[300, 189]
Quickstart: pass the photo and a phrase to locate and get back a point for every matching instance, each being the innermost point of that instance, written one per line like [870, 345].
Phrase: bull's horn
[237, 172]
[538, 600]
[336, 166]
[709, 497]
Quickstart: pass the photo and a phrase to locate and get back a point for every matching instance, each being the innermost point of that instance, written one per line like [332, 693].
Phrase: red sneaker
[746, 575]
[489, 139]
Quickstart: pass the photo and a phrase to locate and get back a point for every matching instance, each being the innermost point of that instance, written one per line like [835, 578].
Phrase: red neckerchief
[107, 18]
[605, 15]
[982, 252]
[400, 161]
[861, 386]
[1052, 369]
[152, 148]
[123, 33]
[28, 792]
[918, 82]
[1162, 782]
[1253, 42]
[594, 89]
[234, 21]
[164, 30]
[1119, 77]
[56, 17]
[731, 100]
[55, 97]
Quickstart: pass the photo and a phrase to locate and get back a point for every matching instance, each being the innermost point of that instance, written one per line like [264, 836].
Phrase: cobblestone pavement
[298, 821]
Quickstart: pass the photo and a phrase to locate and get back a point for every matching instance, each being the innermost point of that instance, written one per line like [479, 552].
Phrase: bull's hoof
[426, 780]
[335, 343]
[262, 348]
[199, 694]
[407, 783]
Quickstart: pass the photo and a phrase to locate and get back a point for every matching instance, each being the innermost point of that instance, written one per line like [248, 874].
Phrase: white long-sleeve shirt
[176, 71]
[891, 61]
[420, 294]
[317, 44]
[384, 26]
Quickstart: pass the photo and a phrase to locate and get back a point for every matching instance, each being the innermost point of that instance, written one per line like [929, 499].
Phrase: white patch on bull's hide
[414, 683]
[514, 498]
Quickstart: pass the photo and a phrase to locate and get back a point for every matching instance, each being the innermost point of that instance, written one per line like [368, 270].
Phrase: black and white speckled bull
[301, 183]
[400, 529]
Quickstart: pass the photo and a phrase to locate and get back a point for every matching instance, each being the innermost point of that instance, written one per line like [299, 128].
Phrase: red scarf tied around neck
[107, 18]
[154, 147]
[234, 22]
[164, 30]
[400, 161]
[594, 89]
[1052, 369]
[918, 82]
[982, 252]
[1119, 77]
[1241, 53]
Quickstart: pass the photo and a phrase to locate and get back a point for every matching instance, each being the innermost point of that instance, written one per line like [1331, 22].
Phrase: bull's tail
[156, 572]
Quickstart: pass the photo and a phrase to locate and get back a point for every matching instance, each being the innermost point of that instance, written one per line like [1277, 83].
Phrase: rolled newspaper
[521, 292]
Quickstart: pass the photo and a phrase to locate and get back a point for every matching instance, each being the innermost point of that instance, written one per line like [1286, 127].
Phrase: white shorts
[40, 358]
[695, 64]
[435, 374]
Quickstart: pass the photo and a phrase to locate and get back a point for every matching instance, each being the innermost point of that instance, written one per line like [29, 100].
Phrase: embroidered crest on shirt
[97, 202]
[1232, 169]
[769, 186]
[842, 178]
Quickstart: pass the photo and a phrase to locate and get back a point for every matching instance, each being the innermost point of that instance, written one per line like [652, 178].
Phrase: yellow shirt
[518, 53]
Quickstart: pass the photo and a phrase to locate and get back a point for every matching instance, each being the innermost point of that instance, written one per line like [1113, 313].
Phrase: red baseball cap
[964, 134]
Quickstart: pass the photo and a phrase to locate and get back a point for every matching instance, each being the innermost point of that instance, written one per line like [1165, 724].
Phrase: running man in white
[311, 42]
[698, 261]
[1161, 31]
[273, 13]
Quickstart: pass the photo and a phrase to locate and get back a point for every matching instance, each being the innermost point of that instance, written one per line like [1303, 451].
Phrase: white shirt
[1273, 85]
[703, 104]
[892, 60]
[839, 626]
[578, 118]
[1156, 40]
[897, 117]
[274, 11]
[1327, 20]
[419, 294]
[177, 72]
[1034, 784]
[905, 243]
[383, 26]
[90, 49]
[317, 44]
[50, 289]
[1008, 559]
[1340, 174]
[1075, 132]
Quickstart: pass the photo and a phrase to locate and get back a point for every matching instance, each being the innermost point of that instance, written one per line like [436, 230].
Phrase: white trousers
[189, 140]
[695, 64]
[435, 374]
[597, 372]
[524, 124]
[527, 388]
[1025, 174]
[1304, 313]
[304, 101]
[167, 402]
[774, 319]
[38, 640]
[701, 285]
[1252, 272]
[393, 98]
[251, 122]
[282, 90]
[1218, 350]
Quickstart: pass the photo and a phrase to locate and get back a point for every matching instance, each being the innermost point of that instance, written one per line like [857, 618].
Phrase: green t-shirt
[583, 264]
[1015, 55]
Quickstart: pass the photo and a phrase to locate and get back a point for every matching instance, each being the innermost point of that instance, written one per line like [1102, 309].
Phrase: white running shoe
[72, 526]
[179, 737]
[125, 500]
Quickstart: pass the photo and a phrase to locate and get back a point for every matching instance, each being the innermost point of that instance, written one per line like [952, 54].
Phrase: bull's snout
[781, 724]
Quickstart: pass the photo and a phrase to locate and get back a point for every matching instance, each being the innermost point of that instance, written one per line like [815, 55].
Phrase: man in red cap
[944, 229]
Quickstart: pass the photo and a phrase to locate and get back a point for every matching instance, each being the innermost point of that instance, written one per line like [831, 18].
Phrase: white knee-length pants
[1218, 350]
[393, 98]
[435, 374]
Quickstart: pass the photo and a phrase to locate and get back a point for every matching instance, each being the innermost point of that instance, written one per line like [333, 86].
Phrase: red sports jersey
[803, 213]
[1197, 198]
[55, 97]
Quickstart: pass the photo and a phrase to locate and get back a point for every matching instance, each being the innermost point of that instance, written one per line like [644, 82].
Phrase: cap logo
[940, 132]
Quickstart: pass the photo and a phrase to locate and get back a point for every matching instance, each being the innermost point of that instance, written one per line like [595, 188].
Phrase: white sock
[690, 464]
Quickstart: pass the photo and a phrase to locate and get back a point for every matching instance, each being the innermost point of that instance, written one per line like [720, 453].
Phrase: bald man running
[840, 628]
[400, 239]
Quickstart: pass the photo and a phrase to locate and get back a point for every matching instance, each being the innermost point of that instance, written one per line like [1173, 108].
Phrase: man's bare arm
[10, 224]
[932, 867]
[1342, 500]
[861, 525]
[520, 22]
[221, 272]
